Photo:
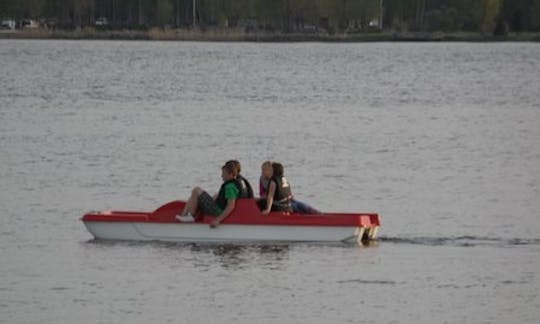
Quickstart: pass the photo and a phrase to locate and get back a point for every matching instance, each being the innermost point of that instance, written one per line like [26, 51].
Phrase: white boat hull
[196, 232]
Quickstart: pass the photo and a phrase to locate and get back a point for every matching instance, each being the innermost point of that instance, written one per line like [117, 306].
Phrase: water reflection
[241, 256]
[202, 256]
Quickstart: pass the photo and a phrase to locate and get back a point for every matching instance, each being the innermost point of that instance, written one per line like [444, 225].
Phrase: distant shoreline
[232, 35]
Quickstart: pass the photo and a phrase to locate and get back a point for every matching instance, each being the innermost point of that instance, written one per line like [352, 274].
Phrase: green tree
[82, 12]
[489, 11]
[394, 14]
[303, 12]
[32, 8]
[163, 12]
[286, 15]
[535, 15]
[11, 9]
[420, 9]
[271, 14]
[331, 10]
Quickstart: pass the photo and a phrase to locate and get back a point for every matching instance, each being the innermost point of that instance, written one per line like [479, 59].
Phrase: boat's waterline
[197, 232]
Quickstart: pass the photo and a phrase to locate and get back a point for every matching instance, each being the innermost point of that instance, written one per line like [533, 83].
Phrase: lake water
[441, 139]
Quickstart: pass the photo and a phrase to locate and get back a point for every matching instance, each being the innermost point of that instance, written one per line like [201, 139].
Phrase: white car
[29, 23]
[8, 24]
[102, 21]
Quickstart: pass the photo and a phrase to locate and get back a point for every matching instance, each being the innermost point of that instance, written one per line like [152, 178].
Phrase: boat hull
[194, 232]
[245, 224]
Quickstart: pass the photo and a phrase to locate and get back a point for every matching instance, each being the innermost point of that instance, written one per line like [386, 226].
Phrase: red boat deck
[245, 213]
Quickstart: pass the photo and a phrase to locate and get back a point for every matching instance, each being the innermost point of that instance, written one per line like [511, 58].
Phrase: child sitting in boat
[264, 180]
[276, 194]
[219, 206]
[246, 186]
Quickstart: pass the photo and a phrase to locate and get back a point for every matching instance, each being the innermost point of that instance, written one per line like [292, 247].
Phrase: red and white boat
[245, 224]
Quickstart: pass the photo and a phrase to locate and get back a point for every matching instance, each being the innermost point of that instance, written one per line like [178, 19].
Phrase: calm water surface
[443, 140]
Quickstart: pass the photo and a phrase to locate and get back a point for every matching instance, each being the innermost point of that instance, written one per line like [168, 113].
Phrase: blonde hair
[266, 164]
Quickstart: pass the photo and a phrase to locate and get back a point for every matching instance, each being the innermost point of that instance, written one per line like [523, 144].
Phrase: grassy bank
[238, 35]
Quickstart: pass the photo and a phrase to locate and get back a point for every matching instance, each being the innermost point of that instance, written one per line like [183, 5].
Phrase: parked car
[29, 23]
[8, 24]
[309, 29]
[101, 22]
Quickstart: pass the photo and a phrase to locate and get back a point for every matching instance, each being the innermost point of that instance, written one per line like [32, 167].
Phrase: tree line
[486, 16]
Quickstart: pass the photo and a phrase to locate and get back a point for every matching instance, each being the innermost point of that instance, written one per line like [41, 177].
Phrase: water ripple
[463, 241]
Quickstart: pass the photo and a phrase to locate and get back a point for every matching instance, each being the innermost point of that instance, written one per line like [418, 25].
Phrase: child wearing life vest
[219, 206]
[276, 194]
[246, 186]
[264, 180]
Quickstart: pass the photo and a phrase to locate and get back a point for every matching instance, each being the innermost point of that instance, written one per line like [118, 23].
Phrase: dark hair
[230, 168]
[236, 165]
[278, 169]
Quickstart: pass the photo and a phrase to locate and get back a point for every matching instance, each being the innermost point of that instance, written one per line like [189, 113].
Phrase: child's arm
[262, 188]
[231, 203]
[270, 198]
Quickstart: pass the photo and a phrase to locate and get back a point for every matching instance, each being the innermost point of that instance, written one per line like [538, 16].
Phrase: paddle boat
[245, 224]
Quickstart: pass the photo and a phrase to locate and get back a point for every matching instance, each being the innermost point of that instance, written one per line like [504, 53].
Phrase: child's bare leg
[193, 202]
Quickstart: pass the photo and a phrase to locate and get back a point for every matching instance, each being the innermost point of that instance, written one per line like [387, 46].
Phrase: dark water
[441, 139]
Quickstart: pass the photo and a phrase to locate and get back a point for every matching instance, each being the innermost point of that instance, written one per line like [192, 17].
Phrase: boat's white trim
[196, 232]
